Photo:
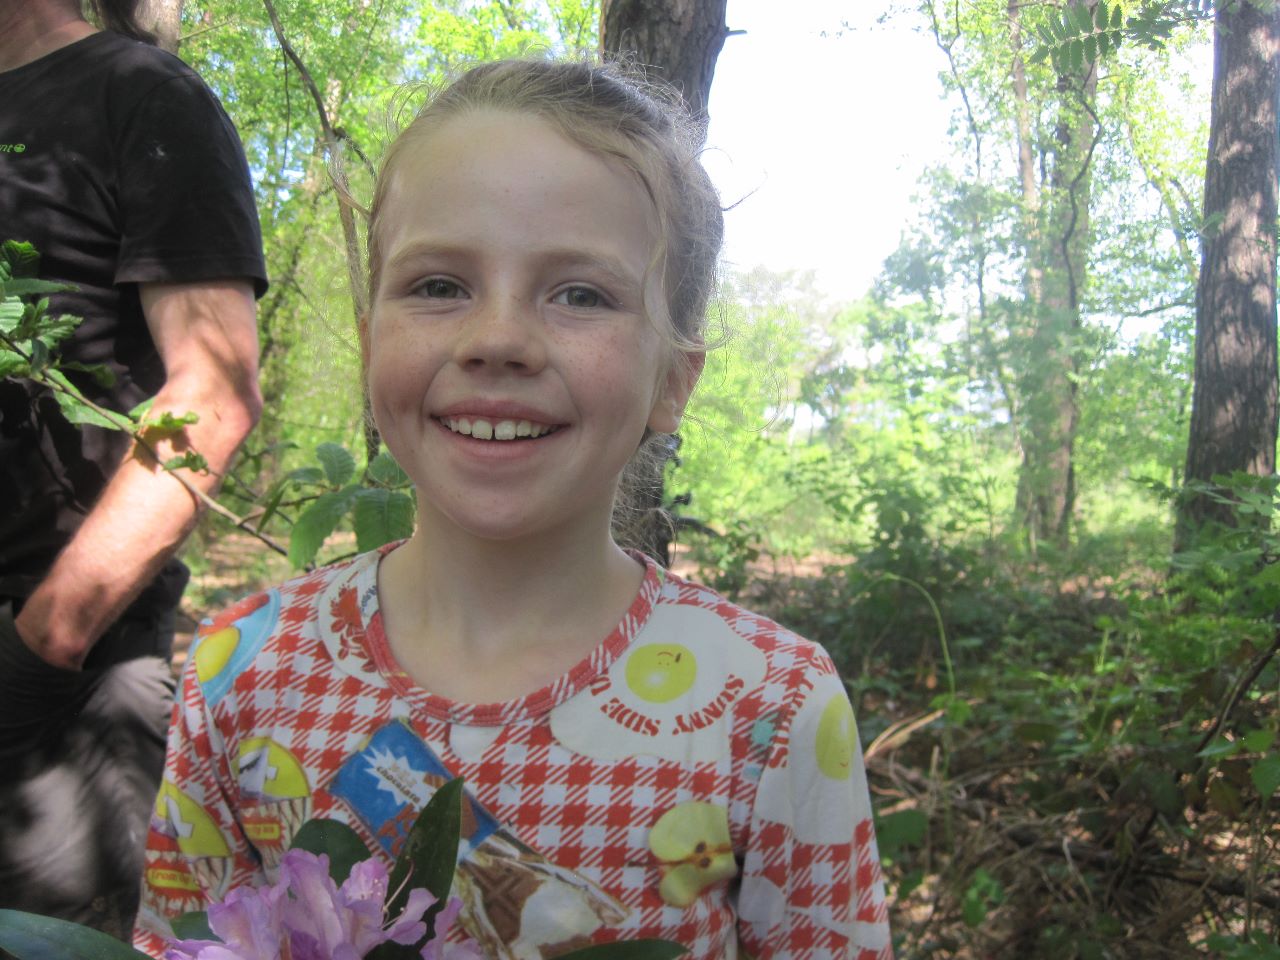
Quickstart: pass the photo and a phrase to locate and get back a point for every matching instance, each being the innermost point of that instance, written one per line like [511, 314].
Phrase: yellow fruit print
[214, 650]
[834, 743]
[691, 842]
[660, 672]
[189, 824]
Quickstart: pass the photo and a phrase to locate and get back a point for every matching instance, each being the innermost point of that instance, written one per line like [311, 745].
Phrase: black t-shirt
[121, 166]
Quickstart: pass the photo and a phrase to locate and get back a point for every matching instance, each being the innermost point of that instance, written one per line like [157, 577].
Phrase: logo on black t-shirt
[13, 147]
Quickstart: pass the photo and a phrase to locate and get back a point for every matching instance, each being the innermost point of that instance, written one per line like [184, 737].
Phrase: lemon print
[190, 824]
[691, 842]
[268, 769]
[214, 650]
[659, 672]
[835, 741]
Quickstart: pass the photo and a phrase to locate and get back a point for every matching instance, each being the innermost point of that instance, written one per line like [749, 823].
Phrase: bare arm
[207, 338]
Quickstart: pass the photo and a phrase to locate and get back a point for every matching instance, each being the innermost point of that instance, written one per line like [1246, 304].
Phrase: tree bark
[1056, 227]
[679, 39]
[1234, 404]
[164, 19]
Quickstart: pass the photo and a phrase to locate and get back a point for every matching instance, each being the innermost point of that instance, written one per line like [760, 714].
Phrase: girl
[642, 758]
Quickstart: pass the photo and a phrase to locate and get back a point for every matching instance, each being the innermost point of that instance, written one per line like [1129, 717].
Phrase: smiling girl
[642, 758]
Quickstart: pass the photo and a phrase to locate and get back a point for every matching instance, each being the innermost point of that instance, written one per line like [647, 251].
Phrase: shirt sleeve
[811, 882]
[196, 846]
[185, 199]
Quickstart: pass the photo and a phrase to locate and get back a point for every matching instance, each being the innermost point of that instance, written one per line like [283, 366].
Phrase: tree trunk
[1056, 227]
[1233, 404]
[164, 19]
[679, 40]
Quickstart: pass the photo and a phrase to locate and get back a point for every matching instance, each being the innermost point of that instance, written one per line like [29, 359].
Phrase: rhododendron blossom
[306, 916]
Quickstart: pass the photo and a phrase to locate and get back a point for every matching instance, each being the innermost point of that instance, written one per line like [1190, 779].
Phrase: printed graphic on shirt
[225, 647]
[668, 695]
[691, 842]
[345, 606]
[192, 852]
[270, 774]
[820, 771]
[517, 904]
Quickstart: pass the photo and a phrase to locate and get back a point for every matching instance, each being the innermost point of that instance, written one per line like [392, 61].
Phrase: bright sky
[830, 132]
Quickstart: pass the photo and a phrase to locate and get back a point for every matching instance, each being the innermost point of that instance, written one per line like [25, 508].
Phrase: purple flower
[306, 916]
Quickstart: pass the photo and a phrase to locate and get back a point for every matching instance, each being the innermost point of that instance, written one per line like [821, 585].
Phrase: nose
[502, 331]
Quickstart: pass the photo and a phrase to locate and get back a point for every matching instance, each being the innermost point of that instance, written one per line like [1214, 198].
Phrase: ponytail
[121, 16]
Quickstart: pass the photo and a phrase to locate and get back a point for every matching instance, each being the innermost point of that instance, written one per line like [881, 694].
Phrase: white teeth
[502, 430]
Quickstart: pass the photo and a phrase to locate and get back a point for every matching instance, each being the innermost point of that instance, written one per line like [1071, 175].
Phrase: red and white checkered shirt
[696, 778]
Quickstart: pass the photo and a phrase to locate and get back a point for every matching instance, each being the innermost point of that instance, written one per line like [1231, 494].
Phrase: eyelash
[600, 298]
[424, 288]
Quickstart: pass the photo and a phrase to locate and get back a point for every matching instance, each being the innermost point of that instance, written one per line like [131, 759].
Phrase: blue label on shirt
[223, 651]
[390, 780]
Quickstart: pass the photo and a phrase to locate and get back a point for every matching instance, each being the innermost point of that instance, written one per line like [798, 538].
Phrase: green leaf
[382, 516]
[430, 854]
[903, 828]
[1039, 55]
[385, 472]
[1076, 51]
[81, 414]
[336, 840]
[1220, 747]
[12, 365]
[1101, 15]
[190, 460]
[1256, 741]
[339, 465]
[633, 950]
[312, 475]
[1117, 17]
[1083, 18]
[316, 523]
[31, 937]
[20, 257]
[1266, 775]
[30, 288]
[102, 375]
[169, 424]
[1091, 48]
[193, 925]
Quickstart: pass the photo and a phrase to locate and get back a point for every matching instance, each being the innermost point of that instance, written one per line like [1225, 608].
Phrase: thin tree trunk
[1234, 403]
[1056, 223]
[679, 41]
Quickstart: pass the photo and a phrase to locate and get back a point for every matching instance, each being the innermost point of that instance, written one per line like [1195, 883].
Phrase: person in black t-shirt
[120, 166]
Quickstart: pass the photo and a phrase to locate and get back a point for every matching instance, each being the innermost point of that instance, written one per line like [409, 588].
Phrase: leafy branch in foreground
[1076, 35]
[30, 338]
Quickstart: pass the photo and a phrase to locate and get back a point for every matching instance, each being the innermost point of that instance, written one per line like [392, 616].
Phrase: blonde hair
[609, 110]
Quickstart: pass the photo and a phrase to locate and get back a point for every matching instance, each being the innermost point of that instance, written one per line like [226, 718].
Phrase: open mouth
[481, 429]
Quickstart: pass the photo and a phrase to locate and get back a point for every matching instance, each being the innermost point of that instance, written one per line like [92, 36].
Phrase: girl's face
[511, 367]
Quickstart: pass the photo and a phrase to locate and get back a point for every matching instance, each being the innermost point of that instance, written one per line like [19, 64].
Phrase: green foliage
[33, 937]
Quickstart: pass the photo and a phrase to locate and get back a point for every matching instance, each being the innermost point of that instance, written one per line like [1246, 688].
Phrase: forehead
[493, 177]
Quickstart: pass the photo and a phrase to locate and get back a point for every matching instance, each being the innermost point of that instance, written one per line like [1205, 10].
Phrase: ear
[682, 377]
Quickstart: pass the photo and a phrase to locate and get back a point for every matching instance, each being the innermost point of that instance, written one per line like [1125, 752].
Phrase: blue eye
[438, 288]
[585, 298]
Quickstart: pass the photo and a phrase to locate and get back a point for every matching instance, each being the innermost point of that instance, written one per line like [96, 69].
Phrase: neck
[31, 29]
[529, 609]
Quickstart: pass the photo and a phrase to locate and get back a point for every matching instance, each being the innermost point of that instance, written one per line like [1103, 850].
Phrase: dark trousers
[81, 755]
